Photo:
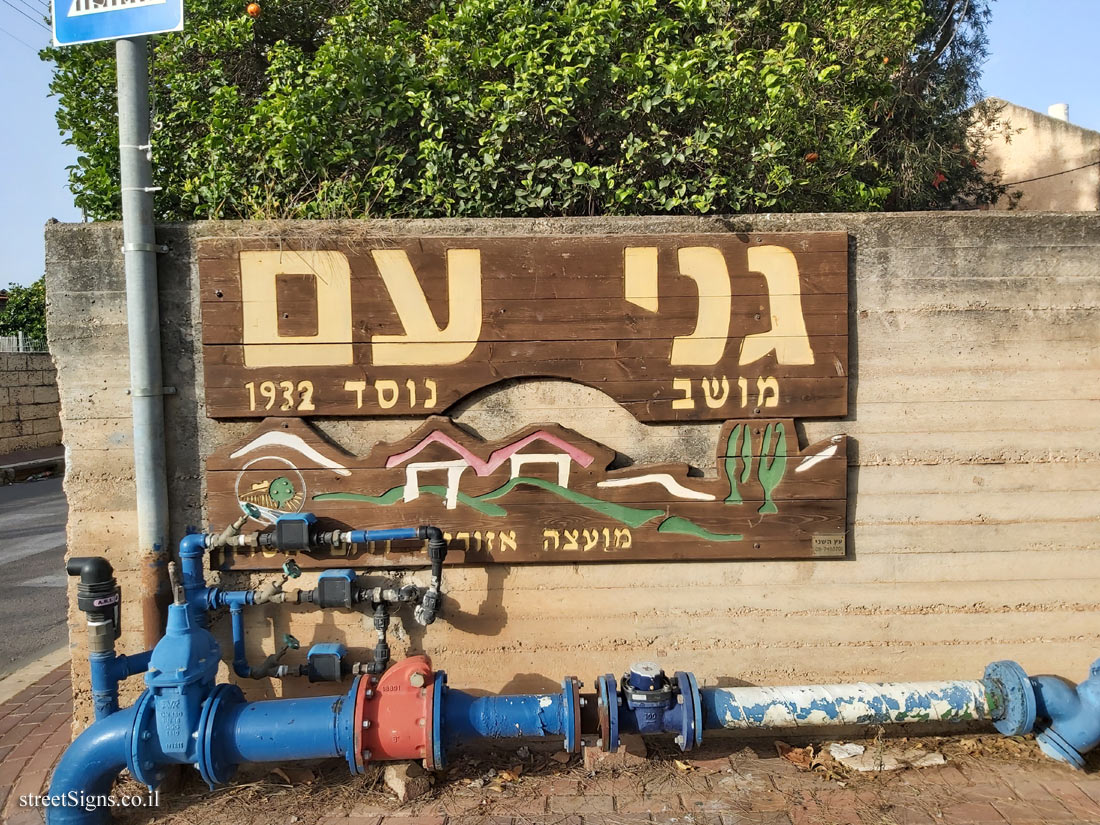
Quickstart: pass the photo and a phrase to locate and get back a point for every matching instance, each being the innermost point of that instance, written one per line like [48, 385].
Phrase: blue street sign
[85, 21]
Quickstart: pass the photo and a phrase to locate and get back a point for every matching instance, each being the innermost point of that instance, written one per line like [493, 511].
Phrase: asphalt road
[32, 573]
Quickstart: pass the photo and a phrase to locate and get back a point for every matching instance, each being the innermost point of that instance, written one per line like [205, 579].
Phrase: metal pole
[143, 321]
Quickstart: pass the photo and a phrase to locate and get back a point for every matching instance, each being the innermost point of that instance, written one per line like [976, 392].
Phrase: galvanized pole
[143, 321]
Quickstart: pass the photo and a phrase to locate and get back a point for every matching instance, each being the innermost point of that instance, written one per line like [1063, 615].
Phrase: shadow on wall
[851, 550]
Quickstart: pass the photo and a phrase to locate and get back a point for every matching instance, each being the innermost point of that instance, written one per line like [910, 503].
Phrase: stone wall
[29, 409]
[974, 477]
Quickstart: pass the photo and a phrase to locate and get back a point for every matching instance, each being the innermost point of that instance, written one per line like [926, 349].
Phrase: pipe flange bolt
[1011, 698]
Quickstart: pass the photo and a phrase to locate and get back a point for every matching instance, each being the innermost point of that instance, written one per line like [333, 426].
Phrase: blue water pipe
[282, 730]
[107, 670]
[409, 712]
[98, 596]
[369, 536]
[465, 717]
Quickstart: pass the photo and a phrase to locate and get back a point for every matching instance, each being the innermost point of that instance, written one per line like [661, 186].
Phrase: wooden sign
[672, 327]
[544, 494]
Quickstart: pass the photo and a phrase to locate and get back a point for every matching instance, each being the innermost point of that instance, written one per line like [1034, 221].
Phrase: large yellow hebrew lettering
[263, 346]
[788, 333]
[640, 276]
[707, 267]
[424, 342]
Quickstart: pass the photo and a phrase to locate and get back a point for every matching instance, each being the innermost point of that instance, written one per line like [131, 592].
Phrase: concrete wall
[1033, 152]
[28, 402]
[974, 474]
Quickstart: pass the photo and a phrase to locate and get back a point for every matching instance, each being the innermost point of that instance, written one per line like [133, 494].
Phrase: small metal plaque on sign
[832, 545]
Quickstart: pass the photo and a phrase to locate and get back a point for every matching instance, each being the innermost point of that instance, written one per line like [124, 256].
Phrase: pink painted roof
[485, 467]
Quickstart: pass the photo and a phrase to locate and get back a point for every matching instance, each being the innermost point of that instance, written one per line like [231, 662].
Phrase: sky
[1041, 52]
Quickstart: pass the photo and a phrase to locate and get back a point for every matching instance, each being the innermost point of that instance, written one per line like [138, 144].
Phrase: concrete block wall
[29, 408]
[974, 473]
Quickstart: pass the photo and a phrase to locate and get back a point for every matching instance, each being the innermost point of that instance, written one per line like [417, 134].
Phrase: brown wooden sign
[544, 494]
[672, 327]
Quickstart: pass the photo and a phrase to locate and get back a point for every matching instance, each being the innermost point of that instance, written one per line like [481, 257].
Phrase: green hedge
[325, 108]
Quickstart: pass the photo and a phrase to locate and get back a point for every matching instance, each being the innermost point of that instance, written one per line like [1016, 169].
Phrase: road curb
[13, 473]
[27, 675]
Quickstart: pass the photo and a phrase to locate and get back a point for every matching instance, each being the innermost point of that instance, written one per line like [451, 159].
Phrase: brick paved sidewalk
[34, 730]
[1006, 782]
[749, 788]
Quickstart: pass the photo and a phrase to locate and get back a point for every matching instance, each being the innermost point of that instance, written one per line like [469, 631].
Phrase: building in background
[1048, 163]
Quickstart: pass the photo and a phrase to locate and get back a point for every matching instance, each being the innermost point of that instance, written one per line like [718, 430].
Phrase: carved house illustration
[561, 459]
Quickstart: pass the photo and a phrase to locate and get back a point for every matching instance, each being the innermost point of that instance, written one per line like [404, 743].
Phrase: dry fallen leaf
[683, 766]
[801, 758]
[825, 764]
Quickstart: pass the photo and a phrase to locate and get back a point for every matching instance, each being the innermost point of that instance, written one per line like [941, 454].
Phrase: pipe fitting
[1064, 716]
[270, 666]
[90, 766]
[192, 550]
[429, 532]
[193, 546]
[99, 597]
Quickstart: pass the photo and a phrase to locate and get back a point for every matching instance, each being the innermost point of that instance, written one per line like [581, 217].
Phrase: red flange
[393, 716]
